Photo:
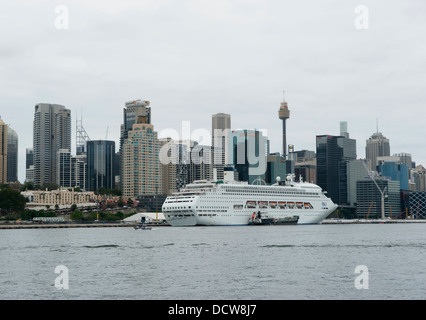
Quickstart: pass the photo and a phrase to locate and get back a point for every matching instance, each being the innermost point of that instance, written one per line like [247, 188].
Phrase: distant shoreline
[29, 225]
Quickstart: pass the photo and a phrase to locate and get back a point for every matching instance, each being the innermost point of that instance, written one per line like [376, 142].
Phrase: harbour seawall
[70, 225]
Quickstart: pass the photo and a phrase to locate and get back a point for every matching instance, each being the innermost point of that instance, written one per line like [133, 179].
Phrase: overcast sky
[195, 58]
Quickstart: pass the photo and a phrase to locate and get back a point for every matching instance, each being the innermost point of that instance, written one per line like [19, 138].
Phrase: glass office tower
[100, 164]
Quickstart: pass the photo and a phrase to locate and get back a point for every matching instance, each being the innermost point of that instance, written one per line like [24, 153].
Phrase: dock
[371, 221]
[70, 225]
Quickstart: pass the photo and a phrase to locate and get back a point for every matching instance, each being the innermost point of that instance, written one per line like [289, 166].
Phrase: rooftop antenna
[377, 125]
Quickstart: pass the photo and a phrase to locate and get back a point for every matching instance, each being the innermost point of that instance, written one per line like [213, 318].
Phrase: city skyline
[192, 61]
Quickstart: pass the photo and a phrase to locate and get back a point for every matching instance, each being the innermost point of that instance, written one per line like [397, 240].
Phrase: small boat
[142, 227]
[251, 204]
[281, 205]
[264, 219]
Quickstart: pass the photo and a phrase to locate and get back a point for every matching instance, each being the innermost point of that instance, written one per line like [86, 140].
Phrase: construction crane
[382, 192]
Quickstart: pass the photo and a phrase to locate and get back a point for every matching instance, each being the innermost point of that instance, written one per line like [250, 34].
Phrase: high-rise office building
[3, 152]
[133, 110]
[355, 171]
[418, 178]
[394, 170]
[141, 166]
[100, 164]
[201, 167]
[71, 170]
[221, 126]
[376, 146]
[332, 154]
[29, 165]
[305, 165]
[12, 155]
[275, 167]
[52, 132]
[29, 160]
[64, 175]
[406, 159]
[247, 154]
[175, 163]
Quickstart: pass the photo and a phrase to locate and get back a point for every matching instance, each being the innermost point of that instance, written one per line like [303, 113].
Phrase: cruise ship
[229, 202]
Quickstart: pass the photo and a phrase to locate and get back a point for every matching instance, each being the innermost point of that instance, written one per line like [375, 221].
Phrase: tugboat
[142, 225]
[263, 219]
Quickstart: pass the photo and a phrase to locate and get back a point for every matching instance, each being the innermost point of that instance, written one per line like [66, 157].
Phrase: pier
[70, 225]
[372, 221]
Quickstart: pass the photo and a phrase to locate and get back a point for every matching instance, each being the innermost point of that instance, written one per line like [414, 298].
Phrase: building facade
[12, 155]
[376, 146]
[58, 197]
[3, 152]
[394, 170]
[275, 167]
[221, 126]
[142, 169]
[100, 164]
[332, 154]
[247, 154]
[414, 205]
[133, 110]
[369, 198]
[71, 170]
[355, 171]
[52, 132]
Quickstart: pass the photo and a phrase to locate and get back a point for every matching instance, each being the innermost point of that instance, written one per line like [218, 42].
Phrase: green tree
[11, 201]
[76, 215]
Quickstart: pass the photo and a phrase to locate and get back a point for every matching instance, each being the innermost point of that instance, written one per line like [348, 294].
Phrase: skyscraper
[376, 146]
[29, 160]
[12, 155]
[141, 166]
[332, 154]
[3, 152]
[133, 110]
[247, 154]
[221, 126]
[100, 164]
[52, 132]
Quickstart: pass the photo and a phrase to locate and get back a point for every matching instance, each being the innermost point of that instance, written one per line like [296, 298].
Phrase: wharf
[371, 221]
[69, 225]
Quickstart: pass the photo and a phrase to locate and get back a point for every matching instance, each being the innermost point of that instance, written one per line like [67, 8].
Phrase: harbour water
[245, 262]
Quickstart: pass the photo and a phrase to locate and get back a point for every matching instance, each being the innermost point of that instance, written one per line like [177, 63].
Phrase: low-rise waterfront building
[58, 197]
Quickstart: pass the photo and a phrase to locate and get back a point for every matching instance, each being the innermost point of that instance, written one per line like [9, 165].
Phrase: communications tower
[284, 114]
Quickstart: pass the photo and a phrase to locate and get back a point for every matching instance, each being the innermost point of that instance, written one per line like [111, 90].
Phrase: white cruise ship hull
[218, 204]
